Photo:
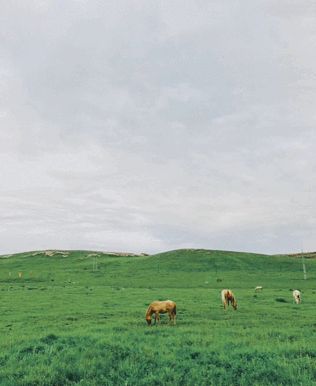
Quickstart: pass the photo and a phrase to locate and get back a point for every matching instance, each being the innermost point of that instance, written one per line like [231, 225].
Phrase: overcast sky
[146, 126]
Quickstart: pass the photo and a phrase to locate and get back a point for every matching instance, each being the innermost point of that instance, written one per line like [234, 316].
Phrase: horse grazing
[228, 297]
[297, 296]
[161, 307]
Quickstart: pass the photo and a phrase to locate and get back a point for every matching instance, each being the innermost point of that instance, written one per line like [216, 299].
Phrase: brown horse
[228, 297]
[161, 307]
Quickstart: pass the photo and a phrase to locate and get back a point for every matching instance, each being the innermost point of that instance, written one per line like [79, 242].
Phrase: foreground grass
[64, 324]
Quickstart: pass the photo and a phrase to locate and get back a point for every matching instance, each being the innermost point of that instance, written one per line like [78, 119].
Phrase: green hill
[179, 268]
[77, 317]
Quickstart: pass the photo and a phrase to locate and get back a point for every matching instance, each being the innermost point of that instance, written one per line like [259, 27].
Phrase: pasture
[70, 321]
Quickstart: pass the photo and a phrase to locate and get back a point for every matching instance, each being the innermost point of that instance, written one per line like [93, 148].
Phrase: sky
[147, 126]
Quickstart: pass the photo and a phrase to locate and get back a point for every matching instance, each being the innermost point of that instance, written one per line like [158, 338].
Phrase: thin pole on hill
[304, 267]
[95, 264]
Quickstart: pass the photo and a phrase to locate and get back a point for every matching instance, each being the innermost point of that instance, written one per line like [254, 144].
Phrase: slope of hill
[77, 317]
[178, 268]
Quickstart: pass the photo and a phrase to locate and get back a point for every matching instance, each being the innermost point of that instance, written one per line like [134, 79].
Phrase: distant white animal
[297, 296]
[258, 288]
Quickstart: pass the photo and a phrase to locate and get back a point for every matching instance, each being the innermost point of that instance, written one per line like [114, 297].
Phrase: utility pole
[304, 267]
[95, 264]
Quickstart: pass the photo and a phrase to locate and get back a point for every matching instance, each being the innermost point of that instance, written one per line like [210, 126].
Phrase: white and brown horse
[297, 296]
[228, 298]
[161, 307]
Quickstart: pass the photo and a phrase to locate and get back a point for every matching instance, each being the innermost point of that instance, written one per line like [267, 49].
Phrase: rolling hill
[77, 317]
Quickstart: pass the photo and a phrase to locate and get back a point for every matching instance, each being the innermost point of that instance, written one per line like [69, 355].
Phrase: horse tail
[223, 297]
[175, 309]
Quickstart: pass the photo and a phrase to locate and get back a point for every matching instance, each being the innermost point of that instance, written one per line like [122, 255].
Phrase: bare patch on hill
[307, 255]
[54, 253]
[5, 256]
[124, 254]
[37, 253]
[65, 253]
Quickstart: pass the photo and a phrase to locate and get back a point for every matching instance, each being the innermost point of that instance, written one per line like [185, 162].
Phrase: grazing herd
[168, 306]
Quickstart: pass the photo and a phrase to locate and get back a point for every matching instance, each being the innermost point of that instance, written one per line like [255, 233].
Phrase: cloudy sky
[145, 126]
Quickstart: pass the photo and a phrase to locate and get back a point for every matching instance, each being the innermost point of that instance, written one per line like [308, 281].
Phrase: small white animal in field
[258, 288]
[297, 296]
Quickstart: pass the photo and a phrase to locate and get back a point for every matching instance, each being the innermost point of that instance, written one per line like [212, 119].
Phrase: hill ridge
[67, 252]
[91, 253]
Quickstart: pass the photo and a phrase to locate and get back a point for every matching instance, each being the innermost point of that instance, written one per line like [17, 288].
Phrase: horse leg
[157, 317]
[172, 316]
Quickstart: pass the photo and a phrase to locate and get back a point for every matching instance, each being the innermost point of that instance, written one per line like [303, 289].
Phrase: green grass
[64, 324]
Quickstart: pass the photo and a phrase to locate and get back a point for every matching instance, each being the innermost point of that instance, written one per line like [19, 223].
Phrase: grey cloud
[148, 126]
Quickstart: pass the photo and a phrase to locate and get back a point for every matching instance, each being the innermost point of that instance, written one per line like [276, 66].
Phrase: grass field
[65, 323]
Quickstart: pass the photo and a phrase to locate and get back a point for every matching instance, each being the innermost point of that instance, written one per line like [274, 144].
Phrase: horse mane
[148, 311]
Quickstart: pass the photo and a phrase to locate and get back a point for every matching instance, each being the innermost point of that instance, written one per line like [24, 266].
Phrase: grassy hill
[77, 317]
